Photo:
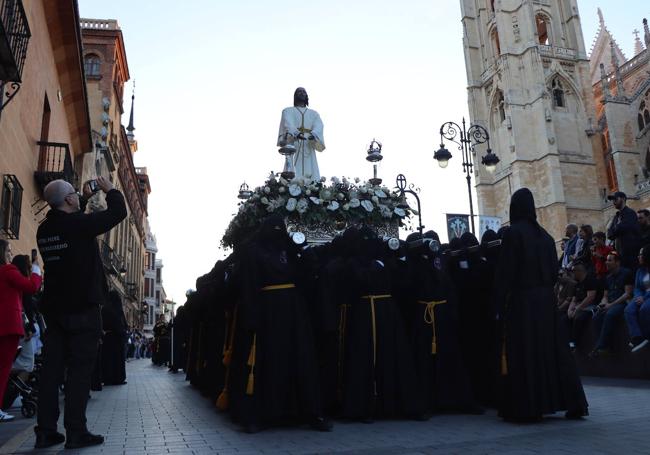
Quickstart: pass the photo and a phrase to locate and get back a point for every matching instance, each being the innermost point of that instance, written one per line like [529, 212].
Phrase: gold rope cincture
[250, 385]
[430, 318]
[372, 299]
[223, 399]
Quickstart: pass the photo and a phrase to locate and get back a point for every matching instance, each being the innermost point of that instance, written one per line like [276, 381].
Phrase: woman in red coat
[12, 285]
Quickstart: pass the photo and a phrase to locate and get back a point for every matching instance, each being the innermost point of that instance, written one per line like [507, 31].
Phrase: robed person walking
[113, 353]
[538, 372]
[379, 376]
[432, 321]
[274, 371]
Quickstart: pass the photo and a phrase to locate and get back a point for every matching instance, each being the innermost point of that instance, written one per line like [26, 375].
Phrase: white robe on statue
[302, 119]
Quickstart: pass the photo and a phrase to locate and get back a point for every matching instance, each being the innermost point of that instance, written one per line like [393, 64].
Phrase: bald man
[75, 287]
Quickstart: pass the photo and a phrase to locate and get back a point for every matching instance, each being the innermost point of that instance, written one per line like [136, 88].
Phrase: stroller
[26, 389]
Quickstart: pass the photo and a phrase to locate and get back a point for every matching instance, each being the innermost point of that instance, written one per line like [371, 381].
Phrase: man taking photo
[75, 287]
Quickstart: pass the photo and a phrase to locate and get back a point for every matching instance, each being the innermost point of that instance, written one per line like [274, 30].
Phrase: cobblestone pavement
[158, 412]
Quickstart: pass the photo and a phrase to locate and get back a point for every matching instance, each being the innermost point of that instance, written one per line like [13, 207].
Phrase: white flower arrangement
[317, 203]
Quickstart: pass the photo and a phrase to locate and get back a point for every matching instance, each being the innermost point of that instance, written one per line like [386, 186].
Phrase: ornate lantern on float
[244, 191]
[374, 157]
[287, 149]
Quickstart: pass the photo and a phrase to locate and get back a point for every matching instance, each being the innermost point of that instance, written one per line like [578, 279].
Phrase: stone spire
[601, 18]
[131, 128]
[604, 82]
[646, 35]
[620, 90]
[638, 45]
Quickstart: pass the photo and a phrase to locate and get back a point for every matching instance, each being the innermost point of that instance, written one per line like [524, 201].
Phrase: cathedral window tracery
[501, 106]
[557, 91]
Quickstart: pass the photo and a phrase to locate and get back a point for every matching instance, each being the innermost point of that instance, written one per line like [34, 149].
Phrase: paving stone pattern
[159, 413]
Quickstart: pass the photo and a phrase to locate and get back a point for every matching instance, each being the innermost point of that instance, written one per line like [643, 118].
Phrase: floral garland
[342, 201]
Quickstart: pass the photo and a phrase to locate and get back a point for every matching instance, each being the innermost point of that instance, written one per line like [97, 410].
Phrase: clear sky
[212, 77]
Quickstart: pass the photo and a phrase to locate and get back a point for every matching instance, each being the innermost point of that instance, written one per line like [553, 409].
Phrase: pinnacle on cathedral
[601, 54]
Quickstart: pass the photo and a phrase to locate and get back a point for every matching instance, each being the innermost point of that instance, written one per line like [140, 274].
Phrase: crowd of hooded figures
[279, 334]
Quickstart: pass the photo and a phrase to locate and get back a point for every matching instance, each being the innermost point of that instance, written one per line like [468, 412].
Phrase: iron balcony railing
[54, 162]
[14, 37]
[113, 263]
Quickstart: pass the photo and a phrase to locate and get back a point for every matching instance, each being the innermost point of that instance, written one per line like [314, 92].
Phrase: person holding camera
[75, 287]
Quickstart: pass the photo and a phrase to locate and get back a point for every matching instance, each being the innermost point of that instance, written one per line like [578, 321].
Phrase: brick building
[44, 122]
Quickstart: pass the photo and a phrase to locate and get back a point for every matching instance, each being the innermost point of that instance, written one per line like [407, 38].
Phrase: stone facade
[51, 106]
[532, 84]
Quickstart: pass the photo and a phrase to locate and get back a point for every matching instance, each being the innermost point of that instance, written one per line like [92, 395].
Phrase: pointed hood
[522, 207]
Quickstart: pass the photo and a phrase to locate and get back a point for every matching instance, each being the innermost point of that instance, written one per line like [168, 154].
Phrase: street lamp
[466, 139]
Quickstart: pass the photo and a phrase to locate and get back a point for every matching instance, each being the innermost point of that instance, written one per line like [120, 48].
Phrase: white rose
[291, 204]
[346, 206]
[333, 206]
[399, 212]
[294, 190]
[302, 206]
[264, 200]
[308, 192]
[340, 196]
[375, 199]
[380, 193]
[354, 203]
[281, 190]
[315, 200]
[267, 190]
[367, 205]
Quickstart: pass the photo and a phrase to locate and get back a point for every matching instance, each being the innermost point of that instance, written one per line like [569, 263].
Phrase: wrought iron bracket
[7, 94]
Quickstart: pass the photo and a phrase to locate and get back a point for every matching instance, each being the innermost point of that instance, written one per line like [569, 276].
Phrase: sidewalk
[158, 413]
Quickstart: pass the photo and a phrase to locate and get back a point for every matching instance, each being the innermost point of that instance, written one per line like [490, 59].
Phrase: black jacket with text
[74, 274]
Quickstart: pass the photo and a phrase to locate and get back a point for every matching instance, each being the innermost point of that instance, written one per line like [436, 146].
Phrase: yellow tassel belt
[372, 299]
[430, 318]
[277, 287]
[250, 386]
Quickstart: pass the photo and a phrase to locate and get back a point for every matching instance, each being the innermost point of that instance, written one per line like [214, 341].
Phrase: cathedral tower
[529, 84]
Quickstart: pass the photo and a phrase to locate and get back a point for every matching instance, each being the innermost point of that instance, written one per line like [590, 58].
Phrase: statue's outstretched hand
[311, 137]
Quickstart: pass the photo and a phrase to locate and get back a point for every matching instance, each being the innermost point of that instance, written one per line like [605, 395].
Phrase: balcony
[112, 261]
[557, 52]
[54, 162]
[14, 37]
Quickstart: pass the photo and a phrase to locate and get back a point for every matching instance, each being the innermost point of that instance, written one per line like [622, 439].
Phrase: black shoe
[574, 415]
[320, 424]
[83, 440]
[47, 439]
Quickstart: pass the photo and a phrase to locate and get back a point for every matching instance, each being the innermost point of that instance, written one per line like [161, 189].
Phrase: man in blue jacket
[74, 288]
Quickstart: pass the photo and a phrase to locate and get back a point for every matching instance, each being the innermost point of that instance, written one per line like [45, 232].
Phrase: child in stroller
[23, 381]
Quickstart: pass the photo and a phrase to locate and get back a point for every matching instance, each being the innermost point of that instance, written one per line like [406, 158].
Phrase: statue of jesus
[305, 129]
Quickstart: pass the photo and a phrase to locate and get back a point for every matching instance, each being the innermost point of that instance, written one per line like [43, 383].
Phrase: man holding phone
[75, 287]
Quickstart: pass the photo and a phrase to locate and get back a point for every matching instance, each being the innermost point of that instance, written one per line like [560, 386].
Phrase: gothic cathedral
[569, 125]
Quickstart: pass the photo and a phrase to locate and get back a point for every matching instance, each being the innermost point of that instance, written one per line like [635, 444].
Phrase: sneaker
[639, 343]
[4, 417]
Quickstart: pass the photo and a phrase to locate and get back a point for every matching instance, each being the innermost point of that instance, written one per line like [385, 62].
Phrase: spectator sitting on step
[582, 307]
[637, 312]
[565, 290]
[619, 286]
[643, 216]
[584, 244]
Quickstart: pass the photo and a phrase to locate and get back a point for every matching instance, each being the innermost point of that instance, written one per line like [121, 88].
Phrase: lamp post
[466, 139]
[400, 181]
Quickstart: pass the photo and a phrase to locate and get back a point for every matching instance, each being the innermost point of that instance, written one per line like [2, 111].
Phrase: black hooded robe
[113, 353]
[538, 372]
